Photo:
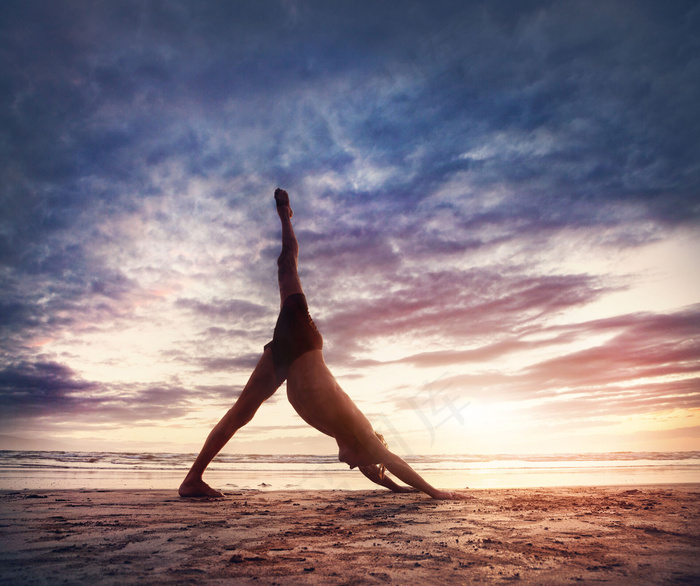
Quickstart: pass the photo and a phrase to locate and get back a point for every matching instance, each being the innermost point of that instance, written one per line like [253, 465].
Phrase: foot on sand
[282, 199]
[198, 488]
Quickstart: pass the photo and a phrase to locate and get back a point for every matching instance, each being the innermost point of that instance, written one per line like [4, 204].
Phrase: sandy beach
[618, 535]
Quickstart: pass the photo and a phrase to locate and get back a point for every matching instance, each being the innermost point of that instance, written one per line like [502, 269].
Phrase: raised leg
[287, 262]
[260, 387]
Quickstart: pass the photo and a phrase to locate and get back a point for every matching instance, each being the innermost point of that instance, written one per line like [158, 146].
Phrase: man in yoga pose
[295, 355]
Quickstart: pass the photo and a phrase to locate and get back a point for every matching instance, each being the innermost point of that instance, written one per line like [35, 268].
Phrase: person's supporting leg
[287, 274]
[263, 382]
[260, 387]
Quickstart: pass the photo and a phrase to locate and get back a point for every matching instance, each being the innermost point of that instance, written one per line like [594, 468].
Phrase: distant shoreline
[126, 470]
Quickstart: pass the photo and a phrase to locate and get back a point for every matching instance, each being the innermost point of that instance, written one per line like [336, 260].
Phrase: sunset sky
[497, 203]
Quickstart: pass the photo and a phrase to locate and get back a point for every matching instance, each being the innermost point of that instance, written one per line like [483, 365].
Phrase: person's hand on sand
[451, 495]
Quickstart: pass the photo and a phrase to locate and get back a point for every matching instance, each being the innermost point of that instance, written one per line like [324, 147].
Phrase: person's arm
[404, 472]
[399, 468]
[372, 472]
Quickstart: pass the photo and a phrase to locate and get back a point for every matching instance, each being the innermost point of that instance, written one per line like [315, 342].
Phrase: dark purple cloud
[39, 389]
[52, 390]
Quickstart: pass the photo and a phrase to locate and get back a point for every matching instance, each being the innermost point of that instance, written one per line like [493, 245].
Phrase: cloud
[640, 341]
[649, 363]
[52, 390]
[230, 310]
[564, 90]
[434, 154]
[458, 307]
[39, 389]
[245, 363]
[648, 346]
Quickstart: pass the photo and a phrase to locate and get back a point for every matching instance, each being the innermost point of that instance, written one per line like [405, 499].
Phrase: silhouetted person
[295, 355]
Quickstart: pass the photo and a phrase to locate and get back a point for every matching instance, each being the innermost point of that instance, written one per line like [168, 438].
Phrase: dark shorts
[295, 334]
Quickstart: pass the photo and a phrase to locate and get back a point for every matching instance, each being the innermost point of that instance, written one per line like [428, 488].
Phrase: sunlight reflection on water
[336, 479]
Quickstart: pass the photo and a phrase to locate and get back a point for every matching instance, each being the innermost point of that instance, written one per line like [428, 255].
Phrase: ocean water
[25, 470]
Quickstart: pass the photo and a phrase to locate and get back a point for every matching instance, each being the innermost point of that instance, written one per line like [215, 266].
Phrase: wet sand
[618, 535]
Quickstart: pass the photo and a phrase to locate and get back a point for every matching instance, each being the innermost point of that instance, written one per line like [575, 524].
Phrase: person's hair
[382, 468]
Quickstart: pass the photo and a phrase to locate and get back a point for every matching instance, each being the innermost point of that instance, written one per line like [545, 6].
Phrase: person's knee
[238, 416]
[287, 259]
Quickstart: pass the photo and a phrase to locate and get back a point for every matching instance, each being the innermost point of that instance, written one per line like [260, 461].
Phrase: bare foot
[198, 488]
[282, 200]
